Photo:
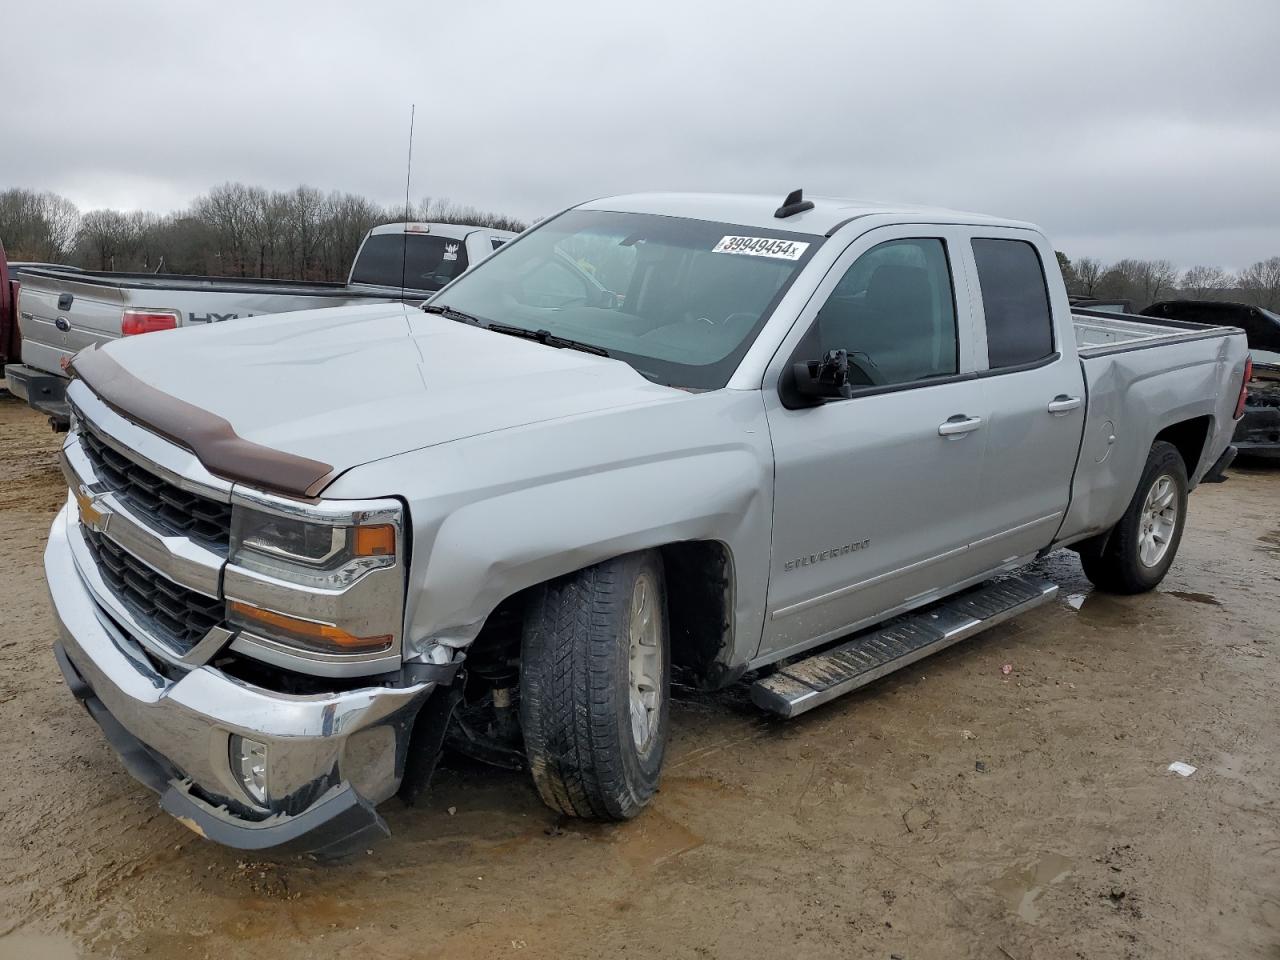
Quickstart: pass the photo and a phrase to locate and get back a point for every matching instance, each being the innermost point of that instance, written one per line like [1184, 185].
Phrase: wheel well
[1189, 438]
[699, 576]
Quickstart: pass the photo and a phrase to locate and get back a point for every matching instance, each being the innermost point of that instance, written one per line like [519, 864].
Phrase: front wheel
[1145, 541]
[594, 678]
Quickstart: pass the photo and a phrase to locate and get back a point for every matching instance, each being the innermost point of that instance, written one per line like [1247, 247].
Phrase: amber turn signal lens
[319, 636]
[375, 541]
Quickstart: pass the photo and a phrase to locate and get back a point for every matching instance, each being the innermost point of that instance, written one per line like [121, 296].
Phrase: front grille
[175, 615]
[166, 506]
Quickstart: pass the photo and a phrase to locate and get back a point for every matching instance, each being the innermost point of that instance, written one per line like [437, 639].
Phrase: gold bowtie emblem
[90, 515]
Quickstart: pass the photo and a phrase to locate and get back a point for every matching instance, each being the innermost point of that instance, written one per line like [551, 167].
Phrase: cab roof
[757, 210]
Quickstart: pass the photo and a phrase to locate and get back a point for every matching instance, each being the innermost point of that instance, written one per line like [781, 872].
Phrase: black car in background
[1258, 433]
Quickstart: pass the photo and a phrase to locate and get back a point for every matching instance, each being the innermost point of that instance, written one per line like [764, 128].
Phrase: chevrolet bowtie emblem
[90, 515]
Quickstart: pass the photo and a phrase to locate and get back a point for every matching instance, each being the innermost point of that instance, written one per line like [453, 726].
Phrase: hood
[343, 386]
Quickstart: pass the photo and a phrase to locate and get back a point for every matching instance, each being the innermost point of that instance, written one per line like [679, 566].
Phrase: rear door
[1033, 388]
[875, 495]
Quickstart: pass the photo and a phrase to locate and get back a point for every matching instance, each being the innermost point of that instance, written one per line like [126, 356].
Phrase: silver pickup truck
[800, 446]
[63, 309]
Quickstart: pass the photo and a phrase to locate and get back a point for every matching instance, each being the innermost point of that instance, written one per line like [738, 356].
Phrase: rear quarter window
[1015, 300]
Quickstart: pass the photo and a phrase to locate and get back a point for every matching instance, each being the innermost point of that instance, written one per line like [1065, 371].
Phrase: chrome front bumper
[330, 757]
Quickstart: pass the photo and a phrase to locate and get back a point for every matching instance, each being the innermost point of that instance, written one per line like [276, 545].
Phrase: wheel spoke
[1158, 520]
[645, 662]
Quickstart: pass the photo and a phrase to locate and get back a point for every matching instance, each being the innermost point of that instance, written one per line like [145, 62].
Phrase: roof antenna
[795, 203]
[408, 172]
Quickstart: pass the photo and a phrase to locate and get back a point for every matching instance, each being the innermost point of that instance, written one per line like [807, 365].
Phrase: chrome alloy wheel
[645, 688]
[1158, 520]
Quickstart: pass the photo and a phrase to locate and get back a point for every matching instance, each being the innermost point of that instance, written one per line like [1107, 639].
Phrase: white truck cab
[420, 256]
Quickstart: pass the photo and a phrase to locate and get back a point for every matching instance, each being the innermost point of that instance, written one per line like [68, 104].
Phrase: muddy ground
[950, 811]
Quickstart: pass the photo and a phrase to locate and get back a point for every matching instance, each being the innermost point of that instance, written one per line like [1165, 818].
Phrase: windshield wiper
[452, 314]
[546, 337]
[542, 336]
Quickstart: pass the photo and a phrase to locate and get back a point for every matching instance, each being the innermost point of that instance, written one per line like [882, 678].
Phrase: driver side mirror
[825, 379]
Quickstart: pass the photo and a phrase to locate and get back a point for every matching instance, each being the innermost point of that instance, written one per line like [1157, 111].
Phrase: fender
[500, 512]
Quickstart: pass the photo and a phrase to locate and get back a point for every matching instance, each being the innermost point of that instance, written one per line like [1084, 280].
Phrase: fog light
[249, 763]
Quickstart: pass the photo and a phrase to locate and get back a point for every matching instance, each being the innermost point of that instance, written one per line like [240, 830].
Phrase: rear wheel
[594, 676]
[1143, 544]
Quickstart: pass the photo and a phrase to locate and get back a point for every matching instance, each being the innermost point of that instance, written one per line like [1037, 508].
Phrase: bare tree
[37, 226]
[1088, 272]
[347, 218]
[235, 229]
[1156, 277]
[1261, 283]
[228, 209]
[105, 235]
[1204, 283]
[444, 210]
[1139, 281]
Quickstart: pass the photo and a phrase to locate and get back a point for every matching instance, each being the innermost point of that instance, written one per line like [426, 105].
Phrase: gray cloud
[1144, 129]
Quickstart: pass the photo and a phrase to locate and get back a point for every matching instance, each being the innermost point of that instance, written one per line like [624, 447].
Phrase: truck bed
[104, 283]
[1142, 374]
[1099, 332]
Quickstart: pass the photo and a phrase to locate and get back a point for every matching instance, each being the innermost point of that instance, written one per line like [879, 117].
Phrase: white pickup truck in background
[62, 310]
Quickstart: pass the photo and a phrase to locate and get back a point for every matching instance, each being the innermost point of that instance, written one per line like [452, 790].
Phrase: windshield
[679, 300]
[428, 262]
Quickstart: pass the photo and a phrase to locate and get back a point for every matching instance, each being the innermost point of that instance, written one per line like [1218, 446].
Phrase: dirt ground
[949, 811]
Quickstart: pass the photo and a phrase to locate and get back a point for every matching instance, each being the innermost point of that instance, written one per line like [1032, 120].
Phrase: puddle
[1195, 597]
[660, 840]
[1076, 600]
[37, 946]
[1022, 886]
[647, 841]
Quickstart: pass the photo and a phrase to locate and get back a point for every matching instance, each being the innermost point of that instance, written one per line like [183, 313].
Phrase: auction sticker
[761, 247]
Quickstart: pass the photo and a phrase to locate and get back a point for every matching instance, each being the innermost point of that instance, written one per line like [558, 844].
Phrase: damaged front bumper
[329, 758]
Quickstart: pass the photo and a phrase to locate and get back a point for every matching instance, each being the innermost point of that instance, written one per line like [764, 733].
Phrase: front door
[874, 495]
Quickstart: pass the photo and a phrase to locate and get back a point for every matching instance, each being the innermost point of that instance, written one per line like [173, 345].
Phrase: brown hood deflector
[211, 438]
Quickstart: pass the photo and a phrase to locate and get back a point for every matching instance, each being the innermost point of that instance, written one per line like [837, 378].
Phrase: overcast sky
[1124, 128]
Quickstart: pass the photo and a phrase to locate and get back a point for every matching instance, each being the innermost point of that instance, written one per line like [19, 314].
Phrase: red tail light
[1244, 386]
[147, 321]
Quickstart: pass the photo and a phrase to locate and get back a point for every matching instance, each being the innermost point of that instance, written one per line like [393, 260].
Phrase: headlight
[326, 578]
[328, 552]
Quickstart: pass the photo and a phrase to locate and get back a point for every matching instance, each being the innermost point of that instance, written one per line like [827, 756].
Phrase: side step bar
[800, 686]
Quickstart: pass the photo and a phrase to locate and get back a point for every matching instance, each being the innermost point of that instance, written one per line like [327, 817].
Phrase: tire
[588, 755]
[1136, 557]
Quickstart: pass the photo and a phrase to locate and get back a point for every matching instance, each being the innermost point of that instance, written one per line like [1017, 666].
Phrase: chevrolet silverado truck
[62, 310]
[800, 446]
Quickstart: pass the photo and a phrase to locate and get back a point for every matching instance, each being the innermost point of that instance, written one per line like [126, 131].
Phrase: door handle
[959, 425]
[1063, 404]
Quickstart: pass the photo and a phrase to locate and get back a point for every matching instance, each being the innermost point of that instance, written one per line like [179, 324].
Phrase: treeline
[1143, 282]
[234, 230]
[304, 234]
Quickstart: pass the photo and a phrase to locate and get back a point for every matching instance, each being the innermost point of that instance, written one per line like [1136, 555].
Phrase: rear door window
[1016, 302]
